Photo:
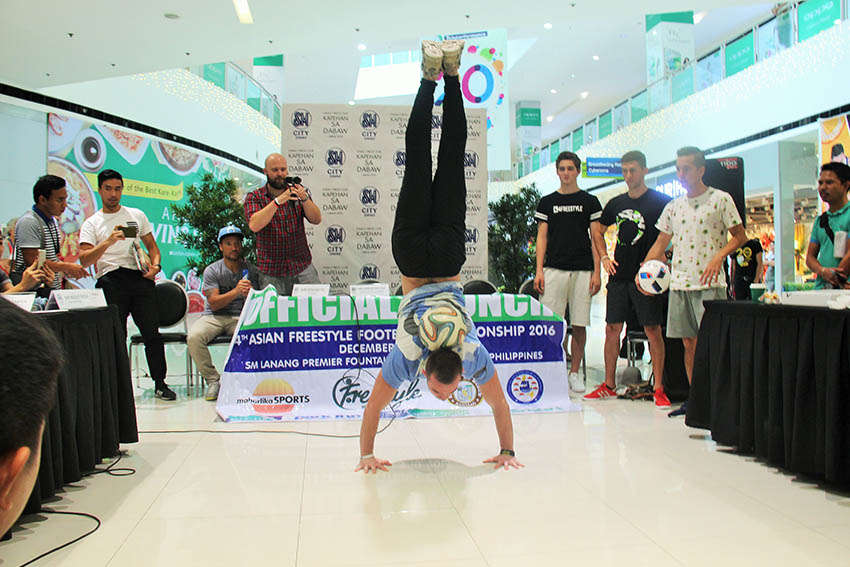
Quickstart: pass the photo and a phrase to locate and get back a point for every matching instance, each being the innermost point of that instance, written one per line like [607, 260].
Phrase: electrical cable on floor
[111, 470]
[73, 541]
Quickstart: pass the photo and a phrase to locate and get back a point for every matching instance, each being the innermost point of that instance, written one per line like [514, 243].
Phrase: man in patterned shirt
[696, 224]
[276, 213]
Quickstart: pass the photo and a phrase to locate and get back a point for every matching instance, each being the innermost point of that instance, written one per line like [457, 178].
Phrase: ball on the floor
[442, 326]
[654, 277]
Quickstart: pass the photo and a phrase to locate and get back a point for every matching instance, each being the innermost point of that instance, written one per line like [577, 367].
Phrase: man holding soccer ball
[696, 225]
[436, 338]
[635, 214]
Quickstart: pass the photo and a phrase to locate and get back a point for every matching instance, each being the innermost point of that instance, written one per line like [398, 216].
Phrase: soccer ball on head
[442, 326]
[654, 277]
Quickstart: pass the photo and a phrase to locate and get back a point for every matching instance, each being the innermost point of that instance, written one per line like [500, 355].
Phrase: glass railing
[798, 22]
[230, 77]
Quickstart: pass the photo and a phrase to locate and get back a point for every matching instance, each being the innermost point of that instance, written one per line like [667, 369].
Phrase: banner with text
[352, 159]
[312, 358]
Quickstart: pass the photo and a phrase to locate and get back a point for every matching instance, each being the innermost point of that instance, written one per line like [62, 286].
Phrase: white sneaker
[432, 60]
[576, 383]
[211, 392]
[452, 50]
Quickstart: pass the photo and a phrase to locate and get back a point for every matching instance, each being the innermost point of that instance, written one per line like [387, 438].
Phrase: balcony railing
[238, 82]
[798, 22]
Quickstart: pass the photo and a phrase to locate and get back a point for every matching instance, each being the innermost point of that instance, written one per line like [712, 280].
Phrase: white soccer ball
[654, 277]
[442, 326]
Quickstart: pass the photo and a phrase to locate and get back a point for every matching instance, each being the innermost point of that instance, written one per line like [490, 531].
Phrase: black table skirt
[774, 381]
[95, 409]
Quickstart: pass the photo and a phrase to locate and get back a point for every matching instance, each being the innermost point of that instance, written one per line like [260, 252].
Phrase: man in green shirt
[828, 255]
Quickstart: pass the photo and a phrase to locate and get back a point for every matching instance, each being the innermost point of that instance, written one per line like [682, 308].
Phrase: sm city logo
[369, 121]
[370, 272]
[470, 164]
[335, 158]
[399, 161]
[335, 236]
[470, 237]
[301, 120]
[369, 197]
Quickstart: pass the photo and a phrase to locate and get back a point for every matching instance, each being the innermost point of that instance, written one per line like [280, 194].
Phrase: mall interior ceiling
[94, 39]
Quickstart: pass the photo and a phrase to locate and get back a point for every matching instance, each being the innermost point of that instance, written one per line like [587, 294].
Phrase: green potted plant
[211, 204]
[512, 238]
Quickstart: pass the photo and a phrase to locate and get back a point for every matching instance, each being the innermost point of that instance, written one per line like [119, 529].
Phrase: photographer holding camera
[110, 238]
[276, 213]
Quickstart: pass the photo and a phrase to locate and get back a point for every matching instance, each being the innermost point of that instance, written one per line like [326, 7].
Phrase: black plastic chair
[173, 306]
[527, 288]
[479, 287]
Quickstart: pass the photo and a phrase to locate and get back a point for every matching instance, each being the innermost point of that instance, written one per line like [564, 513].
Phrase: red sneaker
[661, 400]
[600, 393]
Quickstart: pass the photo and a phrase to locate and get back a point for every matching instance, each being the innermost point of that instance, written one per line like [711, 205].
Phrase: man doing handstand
[429, 249]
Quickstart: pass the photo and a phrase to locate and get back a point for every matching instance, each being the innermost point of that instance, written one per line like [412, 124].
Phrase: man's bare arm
[495, 398]
[382, 394]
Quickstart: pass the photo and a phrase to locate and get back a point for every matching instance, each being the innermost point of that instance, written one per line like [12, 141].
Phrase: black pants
[136, 295]
[430, 218]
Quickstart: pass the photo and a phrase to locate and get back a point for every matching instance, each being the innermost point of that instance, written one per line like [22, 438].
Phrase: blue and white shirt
[407, 359]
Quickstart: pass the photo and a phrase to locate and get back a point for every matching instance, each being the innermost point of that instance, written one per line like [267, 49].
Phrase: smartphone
[42, 258]
[129, 231]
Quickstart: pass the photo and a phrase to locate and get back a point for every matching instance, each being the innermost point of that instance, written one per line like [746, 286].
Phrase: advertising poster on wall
[835, 139]
[155, 176]
[669, 44]
[484, 84]
[352, 159]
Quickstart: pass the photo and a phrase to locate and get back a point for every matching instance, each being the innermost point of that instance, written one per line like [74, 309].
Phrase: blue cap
[228, 230]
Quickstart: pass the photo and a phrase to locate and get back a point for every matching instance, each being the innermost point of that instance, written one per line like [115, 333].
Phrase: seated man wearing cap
[226, 283]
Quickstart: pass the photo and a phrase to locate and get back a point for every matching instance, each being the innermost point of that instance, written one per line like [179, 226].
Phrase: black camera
[290, 181]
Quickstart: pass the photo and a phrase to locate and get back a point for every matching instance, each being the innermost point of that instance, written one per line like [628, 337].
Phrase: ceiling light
[547, 26]
[596, 58]
[698, 17]
[553, 91]
[585, 94]
[573, 76]
[550, 118]
[170, 16]
[351, 103]
[243, 11]
[361, 47]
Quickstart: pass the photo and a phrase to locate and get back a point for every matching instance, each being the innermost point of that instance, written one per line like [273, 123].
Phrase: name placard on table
[369, 290]
[22, 300]
[301, 290]
[71, 299]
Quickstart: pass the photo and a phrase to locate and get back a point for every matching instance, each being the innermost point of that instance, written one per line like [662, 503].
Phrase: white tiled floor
[616, 484]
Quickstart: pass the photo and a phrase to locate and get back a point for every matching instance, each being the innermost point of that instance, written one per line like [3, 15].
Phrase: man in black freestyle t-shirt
[747, 268]
[635, 214]
[567, 264]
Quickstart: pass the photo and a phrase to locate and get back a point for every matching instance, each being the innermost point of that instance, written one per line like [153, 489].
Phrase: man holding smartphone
[37, 232]
[110, 238]
[276, 213]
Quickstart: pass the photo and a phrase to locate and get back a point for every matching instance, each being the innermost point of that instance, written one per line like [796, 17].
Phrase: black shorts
[625, 301]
